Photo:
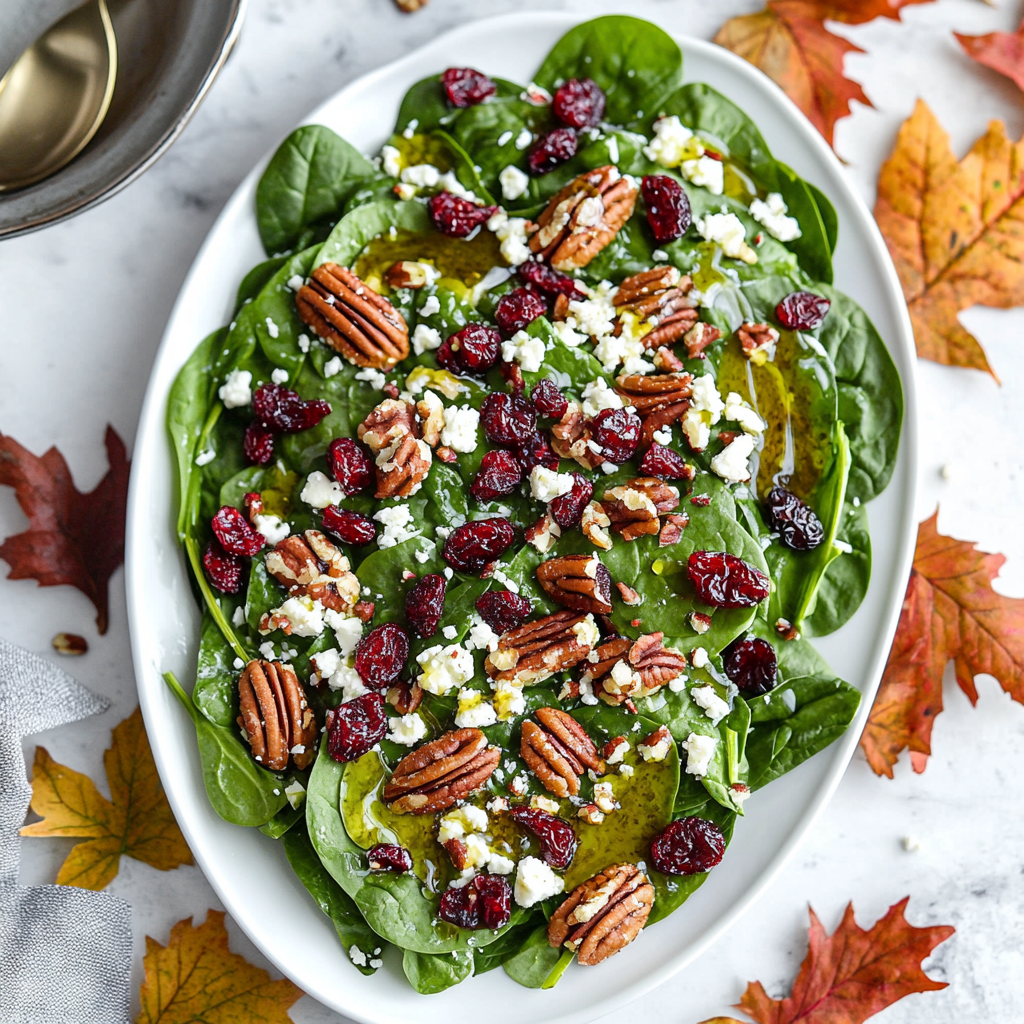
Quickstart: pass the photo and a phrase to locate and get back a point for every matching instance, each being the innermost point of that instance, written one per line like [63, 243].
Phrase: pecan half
[758, 341]
[660, 399]
[311, 565]
[352, 318]
[628, 669]
[277, 722]
[583, 218]
[402, 468]
[633, 508]
[558, 751]
[698, 338]
[660, 296]
[538, 649]
[441, 772]
[580, 582]
[388, 423]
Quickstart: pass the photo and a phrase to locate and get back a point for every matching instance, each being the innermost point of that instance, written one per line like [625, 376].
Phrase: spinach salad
[533, 453]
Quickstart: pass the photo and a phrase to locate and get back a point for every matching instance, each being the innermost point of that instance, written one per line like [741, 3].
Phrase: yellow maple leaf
[955, 231]
[196, 977]
[136, 821]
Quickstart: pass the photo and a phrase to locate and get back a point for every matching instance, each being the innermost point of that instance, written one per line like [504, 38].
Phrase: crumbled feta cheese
[348, 681]
[444, 668]
[726, 229]
[535, 881]
[236, 391]
[739, 411]
[425, 339]
[596, 315]
[699, 751]
[320, 491]
[421, 175]
[699, 658]
[405, 191]
[524, 138]
[706, 407]
[326, 662]
[673, 142]
[626, 348]
[771, 213]
[205, 458]
[295, 282]
[481, 637]
[511, 232]
[732, 463]
[450, 183]
[303, 341]
[500, 864]
[397, 522]
[508, 699]
[714, 707]
[462, 821]
[663, 436]
[518, 785]
[305, 615]
[567, 333]
[504, 138]
[587, 632]
[656, 751]
[355, 954]
[273, 528]
[911, 844]
[706, 172]
[391, 160]
[347, 630]
[450, 632]
[660, 255]
[279, 376]
[274, 332]
[407, 730]
[236, 620]
[598, 395]
[513, 182]
[461, 424]
[375, 378]
[524, 349]
[333, 367]
[295, 792]
[431, 304]
[546, 484]
[626, 770]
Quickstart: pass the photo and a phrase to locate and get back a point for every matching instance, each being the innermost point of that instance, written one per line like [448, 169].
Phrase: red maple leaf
[72, 538]
[950, 613]
[1000, 51]
[852, 974]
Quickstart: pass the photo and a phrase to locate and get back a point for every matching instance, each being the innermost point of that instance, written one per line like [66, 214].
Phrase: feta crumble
[699, 751]
[320, 491]
[714, 707]
[273, 528]
[598, 395]
[706, 172]
[236, 390]
[739, 411]
[771, 213]
[514, 182]
[546, 484]
[732, 463]
[474, 711]
[407, 730]
[444, 668]
[461, 424]
[727, 231]
[397, 522]
[535, 881]
[425, 339]
[706, 407]
[524, 349]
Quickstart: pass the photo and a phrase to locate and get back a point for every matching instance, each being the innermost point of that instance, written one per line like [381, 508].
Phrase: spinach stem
[559, 969]
[192, 546]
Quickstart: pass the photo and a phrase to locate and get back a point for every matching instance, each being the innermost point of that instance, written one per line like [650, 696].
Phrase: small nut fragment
[758, 341]
[591, 814]
[667, 361]
[410, 6]
[311, 565]
[277, 721]
[603, 914]
[629, 596]
[543, 534]
[352, 318]
[698, 338]
[580, 582]
[402, 468]
[672, 529]
[441, 772]
[458, 853]
[536, 650]
[569, 437]
[594, 525]
[558, 751]
[409, 274]
[431, 412]
[388, 423]
[70, 643]
[405, 697]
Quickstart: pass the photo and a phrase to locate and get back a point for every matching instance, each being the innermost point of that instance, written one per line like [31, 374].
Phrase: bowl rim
[905, 530]
[157, 150]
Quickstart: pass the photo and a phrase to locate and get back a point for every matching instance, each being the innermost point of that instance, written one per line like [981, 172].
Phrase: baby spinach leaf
[307, 180]
[495, 954]
[256, 280]
[533, 963]
[360, 226]
[352, 930]
[215, 692]
[634, 62]
[429, 973]
[284, 821]
[845, 582]
[425, 106]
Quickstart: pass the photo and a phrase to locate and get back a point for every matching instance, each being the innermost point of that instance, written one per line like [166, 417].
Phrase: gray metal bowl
[168, 55]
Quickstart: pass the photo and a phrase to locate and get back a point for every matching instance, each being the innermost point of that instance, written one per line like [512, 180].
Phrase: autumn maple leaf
[950, 612]
[1000, 51]
[196, 977]
[136, 821]
[955, 231]
[788, 41]
[72, 537]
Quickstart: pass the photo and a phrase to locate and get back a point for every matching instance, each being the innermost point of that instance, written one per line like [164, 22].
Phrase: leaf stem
[558, 970]
[192, 546]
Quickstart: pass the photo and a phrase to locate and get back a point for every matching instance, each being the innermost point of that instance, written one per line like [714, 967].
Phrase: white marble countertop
[82, 309]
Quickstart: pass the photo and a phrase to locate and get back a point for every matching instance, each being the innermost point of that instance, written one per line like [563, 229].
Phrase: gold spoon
[55, 96]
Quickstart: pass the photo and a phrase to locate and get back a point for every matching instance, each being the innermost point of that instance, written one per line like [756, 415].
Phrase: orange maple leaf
[852, 974]
[788, 41]
[72, 537]
[955, 231]
[950, 612]
[1000, 51]
[196, 977]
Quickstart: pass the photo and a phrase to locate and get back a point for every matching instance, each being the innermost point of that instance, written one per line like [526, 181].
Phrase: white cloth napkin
[22, 22]
[65, 953]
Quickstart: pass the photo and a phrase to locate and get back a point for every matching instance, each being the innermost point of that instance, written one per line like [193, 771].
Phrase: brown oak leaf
[852, 974]
[72, 537]
[1000, 51]
[950, 612]
[136, 821]
[788, 41]
[955, 231]
[196, 978]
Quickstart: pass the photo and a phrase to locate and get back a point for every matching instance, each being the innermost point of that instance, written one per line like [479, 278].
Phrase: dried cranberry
[618, 434]
[356, 726]
[258, 444]
[424, 604]
[558, 840]
[687, 847]
[499, 474]
[751, 664]
[349, 527]
[388, 857]
[502, 610]
[465, 87]
[579, 103]
[455, 216]
[725, 581]
[802, 311]
[548, 399]
[381, 655]
[544, 278]
[518, 309]
[552, 149]
[224, 571]
[350, 465]
[567, 509]
[474, 546]
[537, 452]
[278, 407]
[668, 207]
[483, 902]
[235, 534]
[666, 463]
[508, 420]
[474, 349]
[794, 520]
